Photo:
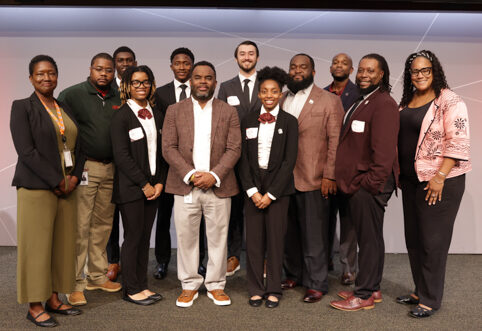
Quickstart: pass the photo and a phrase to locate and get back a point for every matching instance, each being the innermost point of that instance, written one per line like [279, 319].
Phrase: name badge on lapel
[358, 126]
[233, 101]
[280, 131]
[136, 134]
[251, 133]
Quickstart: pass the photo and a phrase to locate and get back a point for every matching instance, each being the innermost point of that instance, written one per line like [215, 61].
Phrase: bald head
[341, 67]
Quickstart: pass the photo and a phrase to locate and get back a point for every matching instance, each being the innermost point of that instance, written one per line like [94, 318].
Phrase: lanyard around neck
[58, 119]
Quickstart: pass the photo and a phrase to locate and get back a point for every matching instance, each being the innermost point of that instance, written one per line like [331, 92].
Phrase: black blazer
[284, 151]
[233, 87]
[164, 97]
[349, 96]
[35, 139]
[131, 157]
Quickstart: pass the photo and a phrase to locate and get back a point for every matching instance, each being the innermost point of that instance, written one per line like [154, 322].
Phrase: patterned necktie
[144, 113]
[246, 90]
[266, 118]
[183, 95]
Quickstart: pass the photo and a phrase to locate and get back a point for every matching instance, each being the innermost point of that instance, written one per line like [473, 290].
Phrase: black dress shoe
[202, 270]
[288, 284]
[161, 271]
[312, 296]
[69, 311]
[407, 300]
[155, 296]
[50, 323]
[271, 304]
[420, 312]
[255, 302]
[144, 302]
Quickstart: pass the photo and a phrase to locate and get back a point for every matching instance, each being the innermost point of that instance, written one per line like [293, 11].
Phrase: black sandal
[421, 312]
[69, 311]
[50, 323]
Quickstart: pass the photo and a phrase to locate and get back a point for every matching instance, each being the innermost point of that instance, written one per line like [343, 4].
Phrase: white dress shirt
[149, 126]
[294, 102]
[201, 151]
[178, 89]
[265, 138]
[118, 81]
[252, 80]
[352, 110]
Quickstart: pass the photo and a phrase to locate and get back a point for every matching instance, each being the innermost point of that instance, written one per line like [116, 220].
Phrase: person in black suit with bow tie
[139, 178]
[182, 60]
[270, 148]
[242, 93]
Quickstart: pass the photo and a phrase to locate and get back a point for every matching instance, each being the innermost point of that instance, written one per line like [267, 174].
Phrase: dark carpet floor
[461, 310]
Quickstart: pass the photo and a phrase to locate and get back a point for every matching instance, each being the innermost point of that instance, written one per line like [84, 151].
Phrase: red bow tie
[266, 118]
[144, 113]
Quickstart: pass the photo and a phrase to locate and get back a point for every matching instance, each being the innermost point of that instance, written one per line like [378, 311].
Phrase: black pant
[366, 212]
[428, 233]
[137, 218]
[113, 249]
[236, 225]
[163, 235]
[306, 246]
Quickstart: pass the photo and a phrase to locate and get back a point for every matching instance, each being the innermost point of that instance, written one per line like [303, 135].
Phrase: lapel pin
[280, 131]
[346, 93]
[311, 101]
[366, 102]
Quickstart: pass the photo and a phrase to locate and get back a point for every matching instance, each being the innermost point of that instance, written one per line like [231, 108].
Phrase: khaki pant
[94, 224]
[187, 218]
[46, 231]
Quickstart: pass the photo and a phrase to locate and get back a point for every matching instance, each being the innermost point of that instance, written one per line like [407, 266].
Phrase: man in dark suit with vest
[177, 90]
[366, 174]
[242, 93]
[340, 69]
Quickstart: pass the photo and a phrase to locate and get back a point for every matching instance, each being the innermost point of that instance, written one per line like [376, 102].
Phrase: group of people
[276, 165]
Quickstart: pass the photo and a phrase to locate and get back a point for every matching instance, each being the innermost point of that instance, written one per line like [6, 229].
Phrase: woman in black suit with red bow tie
[270, 147]
[140, 176]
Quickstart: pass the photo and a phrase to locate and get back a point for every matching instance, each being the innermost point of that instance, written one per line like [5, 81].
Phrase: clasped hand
[261, 201]
[61, 190]
[152, 192]
[203, 180]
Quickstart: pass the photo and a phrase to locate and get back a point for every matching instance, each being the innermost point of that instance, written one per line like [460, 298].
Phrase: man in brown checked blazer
[366, 174]
[202, 143]
[319, 114]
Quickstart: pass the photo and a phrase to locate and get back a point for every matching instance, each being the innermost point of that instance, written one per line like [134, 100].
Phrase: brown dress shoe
[113, 271]
[353, 303]
[377, 295]
[312, 296]
[108, 286]
[348, 278]
[288, 284]
[233, 266]
[76, 298]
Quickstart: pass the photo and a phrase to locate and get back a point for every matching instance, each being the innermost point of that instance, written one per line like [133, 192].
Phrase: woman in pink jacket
[434, 157]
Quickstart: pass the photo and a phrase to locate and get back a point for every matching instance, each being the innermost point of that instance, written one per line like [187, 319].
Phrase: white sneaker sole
[230, 273]
[187, 304]
[217, 302]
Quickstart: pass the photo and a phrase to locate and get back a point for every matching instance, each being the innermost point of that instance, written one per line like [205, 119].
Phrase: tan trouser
[46, 231]
[187, 218]
[94, 224]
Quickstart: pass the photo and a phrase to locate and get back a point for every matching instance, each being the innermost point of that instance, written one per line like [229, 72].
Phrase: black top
[410, 124]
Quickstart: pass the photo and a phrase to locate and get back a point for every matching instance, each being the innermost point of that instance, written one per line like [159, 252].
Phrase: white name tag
[358, 126]
[68, 158]
[233, 101]
[251, 133]
[85, 178]
[136, 134]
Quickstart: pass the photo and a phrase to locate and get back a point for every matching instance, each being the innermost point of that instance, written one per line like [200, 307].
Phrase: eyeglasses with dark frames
[425, 71]
[136, 83]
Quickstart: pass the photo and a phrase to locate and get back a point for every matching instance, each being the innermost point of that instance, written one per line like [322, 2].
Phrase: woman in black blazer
[48, 170]
[139, 179]
[270, 148]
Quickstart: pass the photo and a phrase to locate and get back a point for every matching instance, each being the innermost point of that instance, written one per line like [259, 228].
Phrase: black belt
[105, 161]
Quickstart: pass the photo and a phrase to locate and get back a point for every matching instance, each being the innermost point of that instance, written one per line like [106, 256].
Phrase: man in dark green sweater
[93, 103]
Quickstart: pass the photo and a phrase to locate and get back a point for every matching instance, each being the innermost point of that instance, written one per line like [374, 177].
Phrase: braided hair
[125, 86]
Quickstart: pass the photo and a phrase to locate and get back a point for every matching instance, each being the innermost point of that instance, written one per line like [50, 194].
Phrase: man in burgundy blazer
[366, 174]
[202, 143]
[319, 115]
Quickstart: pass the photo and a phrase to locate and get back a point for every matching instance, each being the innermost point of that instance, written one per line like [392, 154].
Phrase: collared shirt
[265, 139]
[118, 81]
[178, 89]
[252, 80]
[355, 105]
[334, 92]
[149, 125]
[201, 150]
[294, 102]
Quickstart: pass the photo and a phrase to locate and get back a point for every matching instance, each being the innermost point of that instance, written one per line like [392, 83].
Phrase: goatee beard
[295, 86]
[368, 90]
[340, 78]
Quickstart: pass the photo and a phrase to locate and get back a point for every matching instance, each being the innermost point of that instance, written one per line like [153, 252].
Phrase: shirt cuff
[272, 197]
[218, 181]
[251, 192]
[188, 176]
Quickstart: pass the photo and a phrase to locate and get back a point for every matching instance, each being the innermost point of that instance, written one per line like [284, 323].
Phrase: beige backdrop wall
[72, 36]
